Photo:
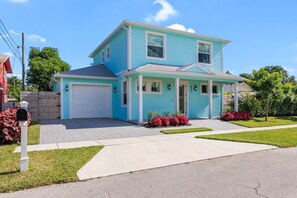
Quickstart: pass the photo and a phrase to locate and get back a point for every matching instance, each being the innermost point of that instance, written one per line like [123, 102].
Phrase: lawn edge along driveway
[283, 138]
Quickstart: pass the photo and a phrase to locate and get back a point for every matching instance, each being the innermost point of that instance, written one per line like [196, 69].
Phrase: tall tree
[43, 64]
[283, 72]
[14, 87]
[268, 86]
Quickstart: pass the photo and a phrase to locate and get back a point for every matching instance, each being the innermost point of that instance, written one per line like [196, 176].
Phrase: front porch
[197, 96]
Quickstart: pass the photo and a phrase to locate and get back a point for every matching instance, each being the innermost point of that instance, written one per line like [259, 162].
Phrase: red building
[5, 68]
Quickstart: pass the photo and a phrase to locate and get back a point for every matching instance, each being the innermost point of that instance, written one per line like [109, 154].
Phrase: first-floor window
[124, 93]
[215, 89]
[204, 89]
[155, 87]
[143, 86]
[150, 86]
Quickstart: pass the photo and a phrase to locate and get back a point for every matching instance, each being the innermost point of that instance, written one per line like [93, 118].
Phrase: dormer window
[204, 52]
[102, 56]
[155, 45]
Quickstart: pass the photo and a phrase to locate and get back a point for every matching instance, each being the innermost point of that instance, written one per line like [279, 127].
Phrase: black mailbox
[22, 114]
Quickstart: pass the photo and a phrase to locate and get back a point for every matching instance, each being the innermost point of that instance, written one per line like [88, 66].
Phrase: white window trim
[102, 57]
[164, 44]
[122, 92]
[214, 84]
[107, 58]
[149, 86]
[211, 52]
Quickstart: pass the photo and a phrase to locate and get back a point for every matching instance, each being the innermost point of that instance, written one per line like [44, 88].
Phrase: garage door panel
[91, 101]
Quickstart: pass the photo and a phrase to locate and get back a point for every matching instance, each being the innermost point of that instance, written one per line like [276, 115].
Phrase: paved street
[270, 173]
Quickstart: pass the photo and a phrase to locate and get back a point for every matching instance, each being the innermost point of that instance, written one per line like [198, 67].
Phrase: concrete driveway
[58, 131]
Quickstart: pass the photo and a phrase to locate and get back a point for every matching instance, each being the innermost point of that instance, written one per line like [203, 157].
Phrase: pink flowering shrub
[174, 121]
[156, 122]
[237, 116]
[10, 131]
[165, 120]
[183, 119]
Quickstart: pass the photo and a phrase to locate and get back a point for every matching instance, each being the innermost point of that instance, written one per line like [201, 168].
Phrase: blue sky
[263, 32]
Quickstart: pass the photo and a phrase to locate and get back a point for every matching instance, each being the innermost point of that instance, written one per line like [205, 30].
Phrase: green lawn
[185, 130]
[278, 137]
[34, 133]
[272, 121]
[45, 167]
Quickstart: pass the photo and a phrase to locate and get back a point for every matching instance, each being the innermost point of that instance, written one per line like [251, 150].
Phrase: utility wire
[8, 33]
[8, 39]
[10, 47]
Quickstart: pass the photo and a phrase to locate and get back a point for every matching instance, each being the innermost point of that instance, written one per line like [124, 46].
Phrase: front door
[183, 97]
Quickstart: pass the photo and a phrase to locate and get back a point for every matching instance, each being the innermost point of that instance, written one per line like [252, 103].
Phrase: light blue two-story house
[140, 68]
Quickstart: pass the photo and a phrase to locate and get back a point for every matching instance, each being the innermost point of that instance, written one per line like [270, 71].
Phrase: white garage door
[90, 101]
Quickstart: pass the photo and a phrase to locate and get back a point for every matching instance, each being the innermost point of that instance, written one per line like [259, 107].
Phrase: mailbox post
[22, 116]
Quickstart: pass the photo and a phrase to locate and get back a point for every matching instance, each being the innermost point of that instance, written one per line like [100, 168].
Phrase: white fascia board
[85, 77]
[184, 74]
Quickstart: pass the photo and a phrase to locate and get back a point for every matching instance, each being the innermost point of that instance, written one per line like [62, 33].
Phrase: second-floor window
[107, 53]
[102, 56]
[155, 45]
[204, 52]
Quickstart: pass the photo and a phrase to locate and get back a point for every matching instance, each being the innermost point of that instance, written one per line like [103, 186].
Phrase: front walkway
[59, 131]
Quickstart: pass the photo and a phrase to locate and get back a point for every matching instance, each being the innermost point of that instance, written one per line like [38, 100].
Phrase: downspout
[129, 105]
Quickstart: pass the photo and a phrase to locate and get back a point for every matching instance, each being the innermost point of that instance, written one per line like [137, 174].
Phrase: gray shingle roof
[92, 71]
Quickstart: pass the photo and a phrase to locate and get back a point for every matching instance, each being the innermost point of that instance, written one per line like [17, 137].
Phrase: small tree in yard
[269, 87]
[43, 64]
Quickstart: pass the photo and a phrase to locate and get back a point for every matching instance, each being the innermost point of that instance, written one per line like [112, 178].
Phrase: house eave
[84, 77]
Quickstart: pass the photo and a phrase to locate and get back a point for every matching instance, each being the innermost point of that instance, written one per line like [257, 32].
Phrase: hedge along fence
[250, 103]
[43, 105]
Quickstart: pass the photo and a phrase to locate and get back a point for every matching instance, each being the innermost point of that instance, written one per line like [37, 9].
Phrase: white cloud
[14, 32]
[290, 69]
[36, 38]
[8, 53]
[181, 27]
[18, 1]
[163, 14]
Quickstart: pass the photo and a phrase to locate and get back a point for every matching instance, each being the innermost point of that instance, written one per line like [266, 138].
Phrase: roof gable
[195, 67]
[5, 59]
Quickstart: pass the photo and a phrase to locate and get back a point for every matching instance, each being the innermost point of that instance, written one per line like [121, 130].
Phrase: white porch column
[236, 97]
[177, 93]
[210, 98]
[129, 98]
[140, 105]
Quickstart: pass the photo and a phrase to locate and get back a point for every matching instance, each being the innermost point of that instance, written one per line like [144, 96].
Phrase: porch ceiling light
[169, 87]
[115, 89]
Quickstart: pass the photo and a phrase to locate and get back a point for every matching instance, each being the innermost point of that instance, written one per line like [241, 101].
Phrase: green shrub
[166, 113]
